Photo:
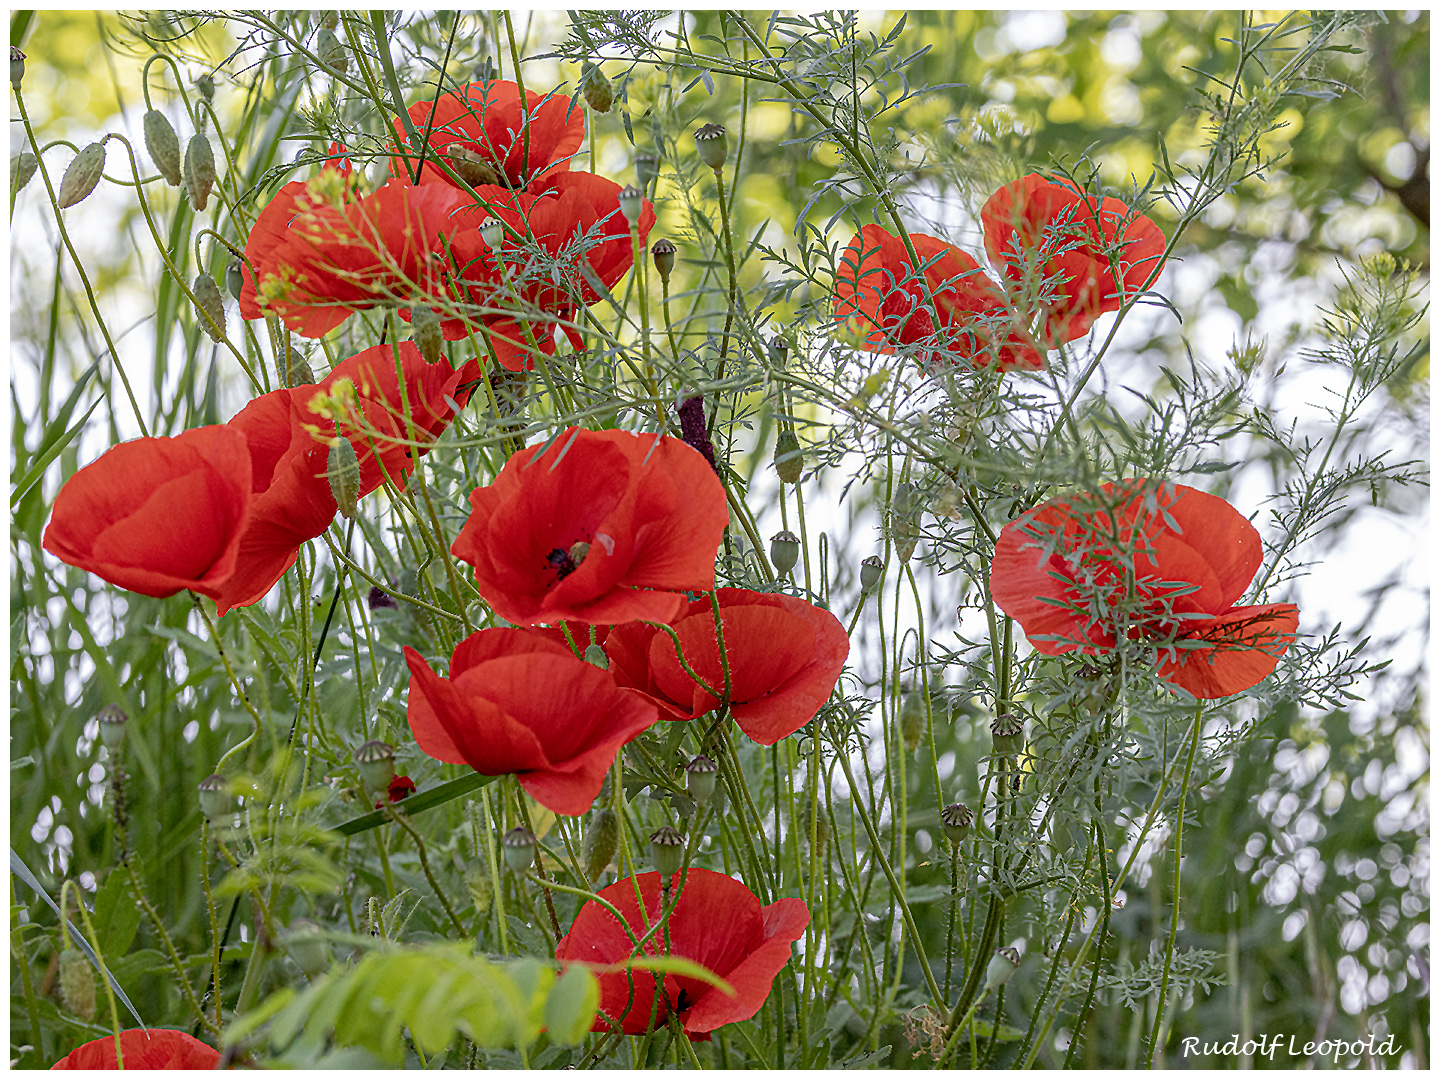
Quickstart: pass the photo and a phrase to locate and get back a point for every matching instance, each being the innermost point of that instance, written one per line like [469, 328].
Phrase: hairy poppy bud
[305, 943]
[789, 459]
[632, 203]
[956, 820]
[22, 168]
[870, 570]
[1007, 734]
[111, 721]
[428, 338]
[667, 851]
[82, 174]
[598, 91]
[710, 141]
[700, 776]
[904, 521]
[330, 52]
[912, 719]
[376, 761]
[647, 169]
[235, 277]
[17, 66]
[342, 470]
[664, 255]
[299, 372]
[1002, 965]
[163, 145]
[77, 984]
[602, 840]
[215, 797]
[199, 170]
[784, 551]
[519, 847]
[210, 305]
[595, 654]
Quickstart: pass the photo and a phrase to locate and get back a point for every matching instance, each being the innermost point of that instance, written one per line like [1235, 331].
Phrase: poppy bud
[710, 141]
[912, 719]
[82, 174]
[870, 570]
[330, 20]
[778, 348]
[595, 654]
[664, 255]
[376, 761]
[199, 170]
[305, 943]
[235, 277]
[956, 820]
[700, 777]
[519, 847]
[428, 338]
[492, 231]
[342, 470]
[632, 202]
[904, 521]
[17, 67]
[667, 851]
[163, 145]
[77, 984]
[789, 459]
[602, 840]
[111, 720]
[206, 85]
[598, 91]
[1007, 734]
[784, 551]
[215, 797]
[330, 52]
[1002, 965]
[22, 168]
[210, 305]
[647, 169]
[298, 372]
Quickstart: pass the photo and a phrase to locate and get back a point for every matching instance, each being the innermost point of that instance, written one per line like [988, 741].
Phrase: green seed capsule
[1007, 734]
[632, 203]
[22, 168]
[602, 841]
[206, 85]
[664, 255]
[1002, 965]
[871, 569]
[210, 305]
[647, 169]
[17, 67]
[667, 851]
[199, 170]
[789, 459]
[376, 762]
[215, 797]
[700, 777]
[111, 721]
[519, 847]
[956, 820]
[82, 175]
[164, 146]
[235, 277]
[428, 337]
[710, 141]
[77, 984]
[784, 551]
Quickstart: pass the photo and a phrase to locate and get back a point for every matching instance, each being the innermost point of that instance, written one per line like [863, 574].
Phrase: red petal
[1249, 642]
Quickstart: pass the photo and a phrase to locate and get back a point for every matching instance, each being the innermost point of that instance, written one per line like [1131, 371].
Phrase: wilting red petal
[143, 1048]
[1247, 644]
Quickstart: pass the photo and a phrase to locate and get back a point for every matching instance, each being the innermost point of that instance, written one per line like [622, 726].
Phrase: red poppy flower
[480, 130]
[517, 703]
[143, 1048]
[1047, 235]
[878, 291]
[1066, 568]
[717, 922]
[560, 233]
[595, 526]
[321, 254]
[785, 656]
[401, 787]
[158, 515]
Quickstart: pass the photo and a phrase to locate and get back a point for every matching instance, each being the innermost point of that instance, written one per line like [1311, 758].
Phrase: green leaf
[421, 800]
[571, 1005]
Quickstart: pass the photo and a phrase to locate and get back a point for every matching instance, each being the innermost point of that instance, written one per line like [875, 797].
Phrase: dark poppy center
[566, 561]
[682, 1000]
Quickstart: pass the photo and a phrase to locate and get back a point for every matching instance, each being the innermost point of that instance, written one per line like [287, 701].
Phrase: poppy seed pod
[700, 777]
[305, 943]
[427, 333]
[870, 570]
[215, 797]
[81, 175]
[1002, 965]
[163, 145]
[376, 761]
[17, 66]
[519, 847]
[199, 170]
[22, 168]
[235, 277]
[710, 141]
[777, 349]
[784, 551]
[111, 720]
[492, 231]
[956, 820]
[667, 851]
[595, 654]
[647, 169]
[1007, 734]
[206, 85]
[77, 984]
[598, 90]
[664, 255]
[789, 459]
[632, 203]
[342, 470]
[602, 840]
[210, 305]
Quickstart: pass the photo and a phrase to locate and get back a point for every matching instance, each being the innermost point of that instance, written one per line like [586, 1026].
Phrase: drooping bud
[789, 458]
[304, 942]
[904, 521]
[700, 777]
[17, 66]
[664, 255]
[667, 851]
[710, 141]
[199, 170]
[602, 840]
[376, 761]
[428, 338]
[206, 85]
[22, 168]
[595, 654]
[784, 551]
[1002, 965]
[647, 169]
[235, 277]
[77, 984]
[215, 797]
[82, 174]
[632, 203]
[342, 470]
[956, 820]
[871, 568]
[163, 145]
[330, 52]
[210, 306]
[1007, 734]
[519, 847]
[912, 719]
[111, 721]
[598, 91]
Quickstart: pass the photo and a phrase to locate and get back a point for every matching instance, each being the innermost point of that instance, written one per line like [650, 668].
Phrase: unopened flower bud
[667, 851]
[22, 168]
[595, 654]
[912, 719]
[210, 305]
[199, 170]
[77, 984]
[1002, 965]
[111, 721]
[904, 521]
[789, 459]
[235, 277]
[870, 570]
[428, 337]
[17, 66]
[956, 820]
[1007, 734]
[602, 840]
[632, 203]
[305, 943]
[710, 141]
[342, 470]
[647, 169]
[700, 777]
[376, 762]
[163, 145]
[206, 85]
[664, 255]
[215, 797]
[598, 90]
[519, 847]
[330, 52]
[81, 175]
[784, 551]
